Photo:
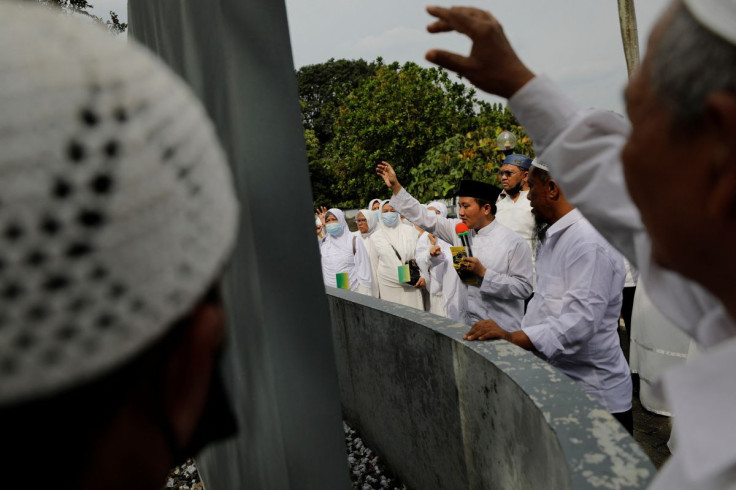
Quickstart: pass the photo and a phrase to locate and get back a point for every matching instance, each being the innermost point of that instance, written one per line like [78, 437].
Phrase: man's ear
[720, 114]
[553, 190]
[189, 369]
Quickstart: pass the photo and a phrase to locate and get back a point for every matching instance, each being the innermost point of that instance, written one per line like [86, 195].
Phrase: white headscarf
[371, 220]
[439, 206]
[370, 204]
[338, 256]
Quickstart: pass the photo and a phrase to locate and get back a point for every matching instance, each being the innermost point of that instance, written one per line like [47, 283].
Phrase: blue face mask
[378, 214]
[390, 218]
[334, 229]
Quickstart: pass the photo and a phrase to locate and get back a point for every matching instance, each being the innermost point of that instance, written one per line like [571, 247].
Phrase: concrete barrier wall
[449, 414]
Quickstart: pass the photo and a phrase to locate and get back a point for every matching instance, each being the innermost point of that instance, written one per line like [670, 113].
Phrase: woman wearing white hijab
[344, 252]
[391, 238]
[434, 268]
[367, 224]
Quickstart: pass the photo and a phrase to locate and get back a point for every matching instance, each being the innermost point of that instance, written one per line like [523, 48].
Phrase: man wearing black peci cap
[501, 260]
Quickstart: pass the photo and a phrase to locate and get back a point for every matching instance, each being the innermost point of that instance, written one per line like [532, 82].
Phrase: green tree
[397, 115]
[322, 88]
[474, 155]
[81, 7]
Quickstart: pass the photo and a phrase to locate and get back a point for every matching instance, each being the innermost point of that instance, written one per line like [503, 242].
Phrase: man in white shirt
[572, 320]
[501, 259]
[513, 208]
[685, 87]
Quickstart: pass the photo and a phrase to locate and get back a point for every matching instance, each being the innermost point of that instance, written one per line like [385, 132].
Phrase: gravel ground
[184, 477]
[367, 471]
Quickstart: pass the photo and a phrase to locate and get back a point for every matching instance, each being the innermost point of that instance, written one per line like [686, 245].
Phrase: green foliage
[323, 87]
[397, 115]
[432, 129]
[79, 7]
[474, 155]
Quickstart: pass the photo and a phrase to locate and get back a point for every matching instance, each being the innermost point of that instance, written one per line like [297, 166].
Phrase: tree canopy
[433, 130]
[81, 7]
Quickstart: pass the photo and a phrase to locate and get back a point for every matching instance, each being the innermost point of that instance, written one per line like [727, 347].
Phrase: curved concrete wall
[449, 414]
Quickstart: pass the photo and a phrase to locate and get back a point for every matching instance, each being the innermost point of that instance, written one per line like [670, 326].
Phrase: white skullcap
[117, 209]
[539, 164]
[718, 16]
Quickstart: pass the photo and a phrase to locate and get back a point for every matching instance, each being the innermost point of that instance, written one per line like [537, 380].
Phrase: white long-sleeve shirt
[582, 148]
[572, 320]
[505, 255]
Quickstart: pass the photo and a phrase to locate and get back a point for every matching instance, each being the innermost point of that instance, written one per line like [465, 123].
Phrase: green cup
[343, 280]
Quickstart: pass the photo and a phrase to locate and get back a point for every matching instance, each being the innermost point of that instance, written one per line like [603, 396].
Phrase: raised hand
[492, 65]
[320, 213]
[386, 171]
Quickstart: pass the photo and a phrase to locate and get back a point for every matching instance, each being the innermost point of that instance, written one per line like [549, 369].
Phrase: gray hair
[688, 63]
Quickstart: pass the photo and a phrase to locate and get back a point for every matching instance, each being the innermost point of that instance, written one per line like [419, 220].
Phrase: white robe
[656, 347]
[433, 284]
[370, 248]
[337, 256]
[582, 148]
[403, 238]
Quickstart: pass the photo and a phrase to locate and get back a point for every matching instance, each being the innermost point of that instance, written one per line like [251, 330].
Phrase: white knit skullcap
[117, 209]
[718, 16]
[539, 164]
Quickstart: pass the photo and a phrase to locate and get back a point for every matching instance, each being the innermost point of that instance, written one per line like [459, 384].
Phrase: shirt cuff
[543, 109]
[544, 340]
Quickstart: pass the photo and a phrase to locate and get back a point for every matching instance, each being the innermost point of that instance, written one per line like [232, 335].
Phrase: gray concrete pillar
[280, 367]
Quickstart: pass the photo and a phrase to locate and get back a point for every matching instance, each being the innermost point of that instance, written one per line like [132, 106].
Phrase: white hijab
[401, 236]
[371, 220]
[370, 204]
[338, 256]
[439, 206]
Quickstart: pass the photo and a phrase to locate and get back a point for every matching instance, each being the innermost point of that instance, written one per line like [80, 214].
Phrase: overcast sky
[576, 42]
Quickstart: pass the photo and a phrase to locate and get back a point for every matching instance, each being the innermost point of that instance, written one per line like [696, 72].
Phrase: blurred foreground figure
[631, 180]
[117, 215]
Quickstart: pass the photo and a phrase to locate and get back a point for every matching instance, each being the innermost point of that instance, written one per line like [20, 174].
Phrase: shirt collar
[486, 230]
[564, 223]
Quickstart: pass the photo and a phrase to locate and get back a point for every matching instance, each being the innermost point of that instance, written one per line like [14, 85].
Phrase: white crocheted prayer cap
[537, 163]
[719, 16]
[117, 209]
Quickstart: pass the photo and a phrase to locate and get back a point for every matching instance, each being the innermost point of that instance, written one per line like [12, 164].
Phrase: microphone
[464, 234]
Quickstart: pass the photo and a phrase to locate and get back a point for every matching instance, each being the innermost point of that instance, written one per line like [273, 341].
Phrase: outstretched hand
[320, 213]
[386, 171]
[492, 65]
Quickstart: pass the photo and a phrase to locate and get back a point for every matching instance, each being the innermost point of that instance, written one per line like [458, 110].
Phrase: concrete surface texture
[446, 413]
[279, 367]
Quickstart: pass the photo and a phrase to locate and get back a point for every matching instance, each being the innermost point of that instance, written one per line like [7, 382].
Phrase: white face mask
[390, 218]
[334, 229]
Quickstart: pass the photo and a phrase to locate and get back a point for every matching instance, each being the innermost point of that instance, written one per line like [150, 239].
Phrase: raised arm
[581, 147]
[411, 209]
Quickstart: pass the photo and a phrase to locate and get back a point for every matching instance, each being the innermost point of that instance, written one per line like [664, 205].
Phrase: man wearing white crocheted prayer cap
[117, 217]
[630, 179]
[572, 320]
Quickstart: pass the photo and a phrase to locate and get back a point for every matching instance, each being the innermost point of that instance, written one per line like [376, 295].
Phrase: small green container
[404, 273]
[343, 280]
